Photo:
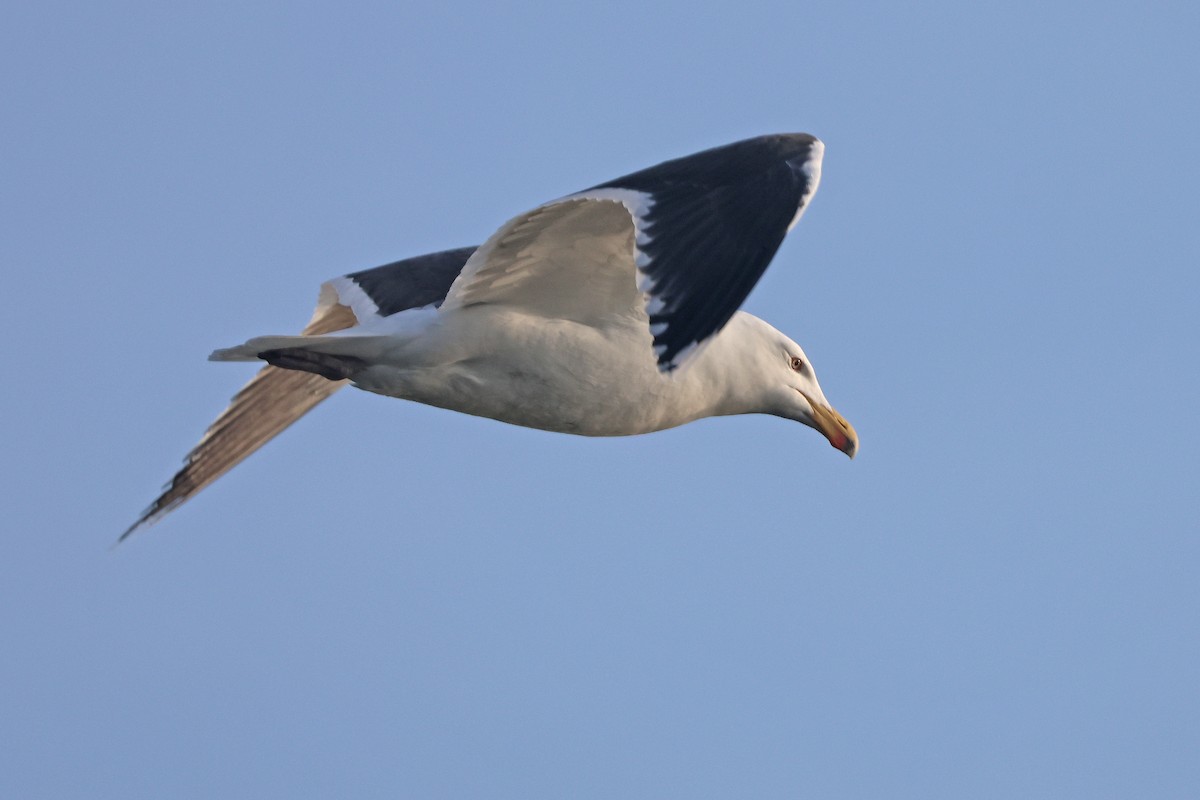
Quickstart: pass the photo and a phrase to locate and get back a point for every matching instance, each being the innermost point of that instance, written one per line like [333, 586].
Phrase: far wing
[697, 234]
[275, 398]
[269, 403]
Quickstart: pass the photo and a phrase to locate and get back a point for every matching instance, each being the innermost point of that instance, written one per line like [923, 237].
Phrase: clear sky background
[997, 284]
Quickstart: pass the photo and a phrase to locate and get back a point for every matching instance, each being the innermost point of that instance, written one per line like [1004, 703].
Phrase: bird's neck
[726, 371]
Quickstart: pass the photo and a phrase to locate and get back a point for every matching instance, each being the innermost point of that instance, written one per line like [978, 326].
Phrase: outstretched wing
[696, 235]
[269, 403]
[275, 398]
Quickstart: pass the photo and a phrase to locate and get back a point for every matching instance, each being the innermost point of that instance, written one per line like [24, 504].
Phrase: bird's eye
[797, 363]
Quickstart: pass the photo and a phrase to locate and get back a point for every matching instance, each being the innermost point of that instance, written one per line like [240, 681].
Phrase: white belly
[551, 374]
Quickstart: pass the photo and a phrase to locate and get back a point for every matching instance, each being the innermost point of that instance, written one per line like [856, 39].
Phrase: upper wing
[568, 259]
[695, 236]
[275, 398]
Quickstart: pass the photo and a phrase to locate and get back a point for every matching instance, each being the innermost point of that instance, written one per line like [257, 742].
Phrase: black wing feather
[715, 222]
[412, 282]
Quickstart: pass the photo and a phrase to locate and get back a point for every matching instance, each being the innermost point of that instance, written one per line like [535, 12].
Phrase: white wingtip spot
[811, 167]
[816, 154]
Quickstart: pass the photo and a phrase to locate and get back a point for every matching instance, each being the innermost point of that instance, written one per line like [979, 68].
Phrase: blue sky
[997, 284]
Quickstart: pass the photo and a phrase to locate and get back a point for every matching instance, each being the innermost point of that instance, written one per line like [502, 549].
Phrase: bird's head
[807, 403]
[783, 381]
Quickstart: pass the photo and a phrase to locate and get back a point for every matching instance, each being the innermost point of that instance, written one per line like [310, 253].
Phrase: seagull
[608, 312]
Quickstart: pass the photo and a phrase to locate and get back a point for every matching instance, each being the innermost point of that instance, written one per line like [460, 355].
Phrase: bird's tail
[253, 349]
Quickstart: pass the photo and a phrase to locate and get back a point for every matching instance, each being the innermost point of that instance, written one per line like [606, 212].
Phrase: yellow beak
[833, 426]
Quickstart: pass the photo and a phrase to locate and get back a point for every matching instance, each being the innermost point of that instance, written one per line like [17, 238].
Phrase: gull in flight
[608, 312]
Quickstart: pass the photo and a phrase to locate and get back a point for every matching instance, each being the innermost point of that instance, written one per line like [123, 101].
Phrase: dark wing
[410, 283]
[707, 227]
[693, 237]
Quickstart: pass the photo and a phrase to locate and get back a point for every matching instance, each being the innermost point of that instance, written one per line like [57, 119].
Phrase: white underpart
[495, 361]
[812, 169]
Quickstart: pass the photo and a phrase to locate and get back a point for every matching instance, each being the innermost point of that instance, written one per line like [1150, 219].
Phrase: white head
[768, 373]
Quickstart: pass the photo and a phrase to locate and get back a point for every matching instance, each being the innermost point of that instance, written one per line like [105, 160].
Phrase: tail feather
[352, 344]
[269, 403]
